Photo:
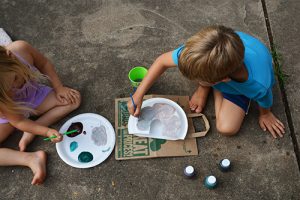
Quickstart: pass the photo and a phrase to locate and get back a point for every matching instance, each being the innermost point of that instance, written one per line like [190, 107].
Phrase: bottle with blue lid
[210, 182]
[225, 165]
[189, 171]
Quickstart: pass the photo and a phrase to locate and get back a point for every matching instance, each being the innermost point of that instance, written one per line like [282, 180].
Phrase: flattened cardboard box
[133, 147]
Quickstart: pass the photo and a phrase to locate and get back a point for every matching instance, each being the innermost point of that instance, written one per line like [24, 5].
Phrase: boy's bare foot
[198, 99]
[38, 167]
[25, 140]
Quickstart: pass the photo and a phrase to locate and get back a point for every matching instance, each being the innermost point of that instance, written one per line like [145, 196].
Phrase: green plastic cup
[136, 75]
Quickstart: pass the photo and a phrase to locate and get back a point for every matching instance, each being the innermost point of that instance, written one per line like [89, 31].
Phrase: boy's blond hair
[212, 55]
[10, 65]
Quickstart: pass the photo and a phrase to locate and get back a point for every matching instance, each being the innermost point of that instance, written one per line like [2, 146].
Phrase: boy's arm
[268, 121]
[160, 65]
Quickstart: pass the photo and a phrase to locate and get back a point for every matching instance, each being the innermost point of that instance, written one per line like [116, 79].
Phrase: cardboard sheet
[133, 147]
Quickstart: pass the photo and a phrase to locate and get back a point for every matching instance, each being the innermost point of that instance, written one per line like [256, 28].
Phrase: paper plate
[88, 142]
[157, 129]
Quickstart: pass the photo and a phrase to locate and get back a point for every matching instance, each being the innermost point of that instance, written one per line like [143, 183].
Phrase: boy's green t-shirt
[258, 62]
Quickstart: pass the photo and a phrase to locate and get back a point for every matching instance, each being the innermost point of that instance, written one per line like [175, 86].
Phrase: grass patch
[278, 62]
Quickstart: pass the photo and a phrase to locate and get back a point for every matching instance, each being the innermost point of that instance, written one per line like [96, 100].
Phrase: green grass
[278, 62]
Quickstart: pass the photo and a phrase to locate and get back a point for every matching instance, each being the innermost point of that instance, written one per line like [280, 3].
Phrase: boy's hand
[52, 132]
[268, 121]
[67, 95]
[138, 103]
[199, 98]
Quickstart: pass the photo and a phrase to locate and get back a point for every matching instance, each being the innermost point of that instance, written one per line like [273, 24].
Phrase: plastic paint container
[210, 182]
[225, 165]
[189, 171]
[136, 75]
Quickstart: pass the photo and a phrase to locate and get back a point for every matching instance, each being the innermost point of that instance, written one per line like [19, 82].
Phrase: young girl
[21, 95]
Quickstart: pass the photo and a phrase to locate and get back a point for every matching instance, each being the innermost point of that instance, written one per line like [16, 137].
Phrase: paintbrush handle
[54, 136]
[133, 102]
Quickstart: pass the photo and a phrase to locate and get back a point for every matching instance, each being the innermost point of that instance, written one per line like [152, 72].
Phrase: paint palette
[93, 143]
[160, 118]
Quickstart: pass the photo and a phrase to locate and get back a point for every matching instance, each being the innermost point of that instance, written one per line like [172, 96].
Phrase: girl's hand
[138, 102]
[52, 132]
[67, 95]
[268, 121]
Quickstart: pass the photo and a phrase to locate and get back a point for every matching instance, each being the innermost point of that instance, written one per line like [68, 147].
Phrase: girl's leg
[35, 160]
[5, 131]
[52, 110]
[229, 116]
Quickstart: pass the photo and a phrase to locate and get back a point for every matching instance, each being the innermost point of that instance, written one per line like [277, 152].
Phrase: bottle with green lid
[210, 182]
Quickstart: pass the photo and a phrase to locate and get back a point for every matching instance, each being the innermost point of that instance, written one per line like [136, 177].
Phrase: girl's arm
[40, 62]
[63, 94]
[26, 125]
[160, 65]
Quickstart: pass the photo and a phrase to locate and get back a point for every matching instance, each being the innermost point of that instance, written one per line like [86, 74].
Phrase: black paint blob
[75, 126]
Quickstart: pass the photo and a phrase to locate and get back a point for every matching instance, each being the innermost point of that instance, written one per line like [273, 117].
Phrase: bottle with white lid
[210, 182]
[225, 165]
[189, 171]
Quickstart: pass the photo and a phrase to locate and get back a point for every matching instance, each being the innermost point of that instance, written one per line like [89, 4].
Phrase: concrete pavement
[93, 44]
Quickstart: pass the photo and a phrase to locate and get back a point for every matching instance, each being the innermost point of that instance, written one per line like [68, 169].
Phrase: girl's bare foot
[38, 167]
[198, 99]
[25, 140]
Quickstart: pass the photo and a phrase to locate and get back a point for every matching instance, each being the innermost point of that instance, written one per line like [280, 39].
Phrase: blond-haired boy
[236, 65]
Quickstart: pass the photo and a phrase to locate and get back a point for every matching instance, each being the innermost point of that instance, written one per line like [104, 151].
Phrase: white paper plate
[85, 142]
[156, 132]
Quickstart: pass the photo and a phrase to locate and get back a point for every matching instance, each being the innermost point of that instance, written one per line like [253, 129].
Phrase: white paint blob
[99, 136]
[161, 118]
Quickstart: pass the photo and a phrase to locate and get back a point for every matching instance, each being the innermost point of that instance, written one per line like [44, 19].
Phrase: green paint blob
[73, 146]
[85, 157]
[155, 145]
[106, 150]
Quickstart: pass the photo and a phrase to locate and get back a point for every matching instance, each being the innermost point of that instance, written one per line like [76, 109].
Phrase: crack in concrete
[137, 25]
[281, 86]
[245, 14]
[164, 17]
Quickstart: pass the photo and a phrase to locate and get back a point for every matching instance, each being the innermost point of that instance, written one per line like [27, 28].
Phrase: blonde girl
[21, 95]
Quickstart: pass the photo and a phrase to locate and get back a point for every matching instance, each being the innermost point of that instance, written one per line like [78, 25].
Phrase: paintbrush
[133, 102]
[138, 130]
[66, 133]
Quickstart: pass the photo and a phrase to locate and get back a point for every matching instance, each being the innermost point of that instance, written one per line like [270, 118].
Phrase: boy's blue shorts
[239, 100]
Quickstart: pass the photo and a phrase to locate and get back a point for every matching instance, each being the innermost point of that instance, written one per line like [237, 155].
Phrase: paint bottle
[210, 182]
[189, 171]
[225, 165]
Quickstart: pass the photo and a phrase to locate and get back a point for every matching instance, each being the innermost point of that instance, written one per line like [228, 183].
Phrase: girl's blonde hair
[10, 65]
[212, 55]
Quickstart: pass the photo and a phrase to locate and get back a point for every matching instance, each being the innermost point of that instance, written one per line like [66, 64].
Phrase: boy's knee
[227, 129]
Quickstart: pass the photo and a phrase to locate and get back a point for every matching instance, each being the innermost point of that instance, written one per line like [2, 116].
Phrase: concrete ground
[93, 44]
